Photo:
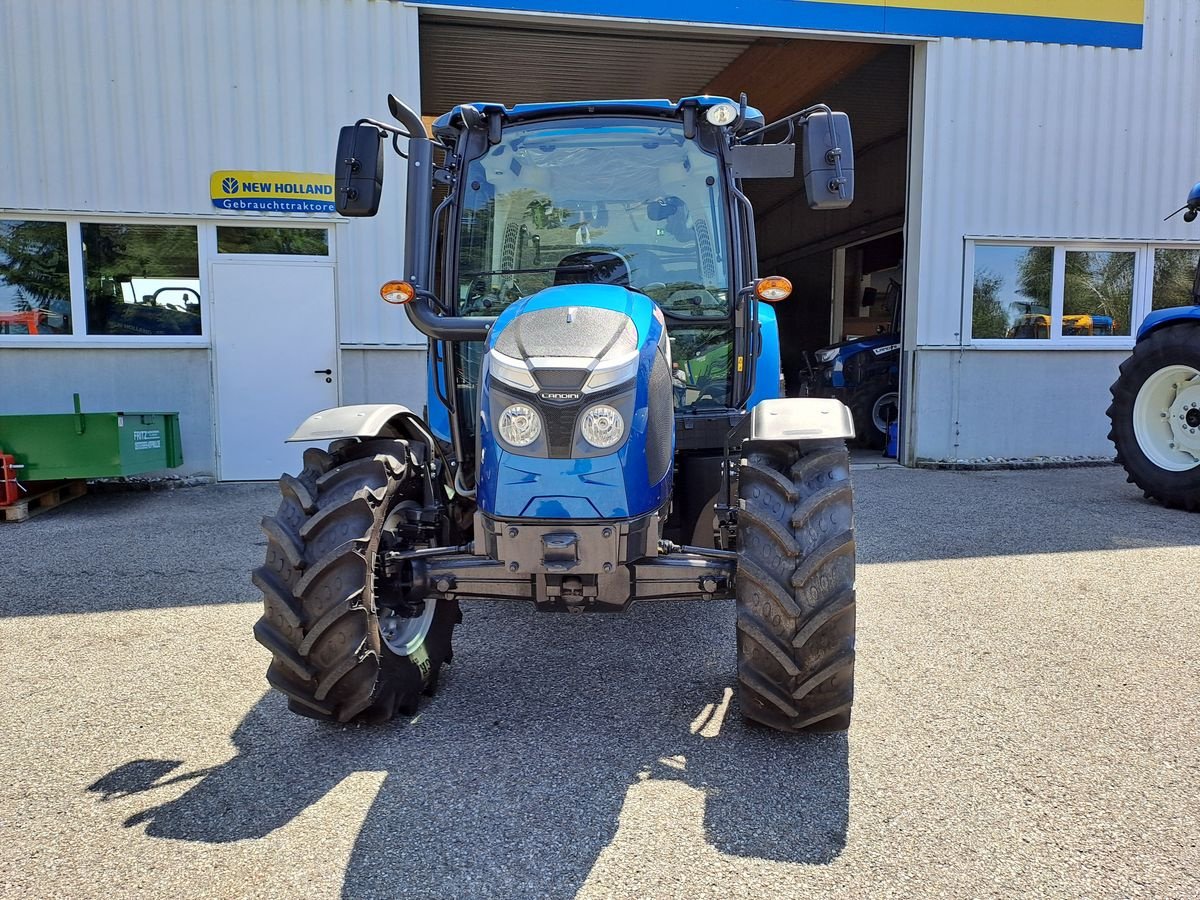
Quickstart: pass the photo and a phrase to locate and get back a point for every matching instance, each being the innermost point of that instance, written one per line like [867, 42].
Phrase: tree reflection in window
[35, 284]
[1011, 296]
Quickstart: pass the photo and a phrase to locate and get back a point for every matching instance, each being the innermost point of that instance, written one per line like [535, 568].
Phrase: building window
[1097, 293]
[273, 241]
[1011, 297]
[141, 279]
[1071, 293]
[1175, 276]
[35, 283]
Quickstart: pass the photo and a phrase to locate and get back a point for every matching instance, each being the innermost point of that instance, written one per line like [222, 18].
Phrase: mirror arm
[789, 121]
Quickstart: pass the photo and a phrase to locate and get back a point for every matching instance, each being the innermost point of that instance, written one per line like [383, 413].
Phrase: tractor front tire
[321, 612]
[795, 587]
[1155, 415]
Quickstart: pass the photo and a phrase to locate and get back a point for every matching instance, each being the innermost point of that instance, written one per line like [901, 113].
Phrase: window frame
[224, 256]
[74, 257]
[1190, 246]
[206, 246]
[1141, 304]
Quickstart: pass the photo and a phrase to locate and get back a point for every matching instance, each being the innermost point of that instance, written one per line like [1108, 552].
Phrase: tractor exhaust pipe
[418, 234]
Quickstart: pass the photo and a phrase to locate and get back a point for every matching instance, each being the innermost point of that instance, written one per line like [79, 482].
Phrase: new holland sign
[1104, 23]
[271, 191]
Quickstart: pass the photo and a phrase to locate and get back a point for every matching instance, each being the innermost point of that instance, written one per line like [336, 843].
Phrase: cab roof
[529, 112]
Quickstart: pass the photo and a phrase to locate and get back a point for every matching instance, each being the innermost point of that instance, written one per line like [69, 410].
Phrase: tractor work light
[397, 292]
[722, 114]
[519, 425]
[612, 371]
[773, 289]
[602, 426]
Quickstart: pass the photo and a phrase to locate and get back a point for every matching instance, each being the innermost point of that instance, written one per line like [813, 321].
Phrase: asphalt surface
[1026, 721]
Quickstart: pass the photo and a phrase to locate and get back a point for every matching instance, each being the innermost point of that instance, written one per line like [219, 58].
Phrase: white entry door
[274, 339]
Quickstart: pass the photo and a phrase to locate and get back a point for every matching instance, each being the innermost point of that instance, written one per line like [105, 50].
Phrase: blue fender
[1161, 318]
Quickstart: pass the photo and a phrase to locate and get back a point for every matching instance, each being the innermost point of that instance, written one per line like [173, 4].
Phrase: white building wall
[129, 105]
[125, 107]
[1046, 141]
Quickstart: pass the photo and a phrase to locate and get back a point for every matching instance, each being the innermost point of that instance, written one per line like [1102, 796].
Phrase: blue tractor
[864, 373]
[1155, 411]
[604, 422]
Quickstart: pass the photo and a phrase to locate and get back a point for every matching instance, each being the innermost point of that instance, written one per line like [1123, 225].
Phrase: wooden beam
[782, 76]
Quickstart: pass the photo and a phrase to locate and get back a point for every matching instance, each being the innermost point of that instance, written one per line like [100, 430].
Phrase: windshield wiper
[579, 269]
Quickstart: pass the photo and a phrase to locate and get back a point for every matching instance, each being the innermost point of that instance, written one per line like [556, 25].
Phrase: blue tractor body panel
[618, 485]
[1161, 318]
[766, 372]
[436, 412]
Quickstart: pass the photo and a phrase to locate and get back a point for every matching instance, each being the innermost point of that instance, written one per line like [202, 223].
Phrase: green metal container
[91, 445]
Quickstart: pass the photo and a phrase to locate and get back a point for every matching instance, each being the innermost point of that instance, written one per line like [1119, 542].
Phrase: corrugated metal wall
[1054, 141]
[129, 105]
[1040, 140]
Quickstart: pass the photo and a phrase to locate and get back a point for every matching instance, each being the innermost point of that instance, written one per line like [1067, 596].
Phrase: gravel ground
[1025, 724]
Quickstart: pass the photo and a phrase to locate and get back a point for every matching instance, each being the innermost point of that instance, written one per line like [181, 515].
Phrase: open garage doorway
[842, 289]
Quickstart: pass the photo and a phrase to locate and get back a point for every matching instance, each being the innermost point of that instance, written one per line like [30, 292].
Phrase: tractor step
[45, 496]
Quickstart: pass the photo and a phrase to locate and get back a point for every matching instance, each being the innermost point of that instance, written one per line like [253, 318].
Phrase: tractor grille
[560, 379]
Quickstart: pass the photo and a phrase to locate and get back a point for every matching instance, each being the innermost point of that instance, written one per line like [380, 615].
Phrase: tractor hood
[578, 319]
[576, 416]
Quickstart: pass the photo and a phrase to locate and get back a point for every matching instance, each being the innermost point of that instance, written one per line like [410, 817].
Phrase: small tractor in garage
[864, 373]
[1155, 411]
[560, 258]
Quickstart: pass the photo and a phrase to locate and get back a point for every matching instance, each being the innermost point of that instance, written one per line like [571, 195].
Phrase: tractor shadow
[512, 780]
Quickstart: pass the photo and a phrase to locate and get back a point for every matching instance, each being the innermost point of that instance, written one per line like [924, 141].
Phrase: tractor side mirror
[1193, 205]
[828, 154]
[358, 173]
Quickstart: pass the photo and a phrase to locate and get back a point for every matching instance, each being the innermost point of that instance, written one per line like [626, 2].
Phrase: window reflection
[1175, 275]
[1098, 293]
[35, 286]
[141, 279]
[1011, 295]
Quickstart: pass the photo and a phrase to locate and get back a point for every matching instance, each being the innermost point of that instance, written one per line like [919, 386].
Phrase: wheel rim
[404, 635]
[1166, 418]
[884, 411]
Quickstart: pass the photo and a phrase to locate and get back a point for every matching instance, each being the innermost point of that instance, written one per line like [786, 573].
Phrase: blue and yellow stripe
[1104, 23]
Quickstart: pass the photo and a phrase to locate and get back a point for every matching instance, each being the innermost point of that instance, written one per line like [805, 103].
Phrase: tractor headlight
[511, 371]
[827, 354]
[519, 424]
[602, 426]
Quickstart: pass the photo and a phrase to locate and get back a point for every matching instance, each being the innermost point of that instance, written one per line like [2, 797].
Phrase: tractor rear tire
[1157, 438]
[795, 587]
[321, 615]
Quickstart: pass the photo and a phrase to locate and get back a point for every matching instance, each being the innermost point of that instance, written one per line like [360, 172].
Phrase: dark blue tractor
[604, 422]
[1155, 411]
[863, 373]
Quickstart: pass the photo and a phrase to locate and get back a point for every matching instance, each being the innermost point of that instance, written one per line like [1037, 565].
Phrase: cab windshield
[613, 202]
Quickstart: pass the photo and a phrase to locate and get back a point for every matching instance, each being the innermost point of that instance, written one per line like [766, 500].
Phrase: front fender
[1161, 318]
[366, 420]
[801, 419]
